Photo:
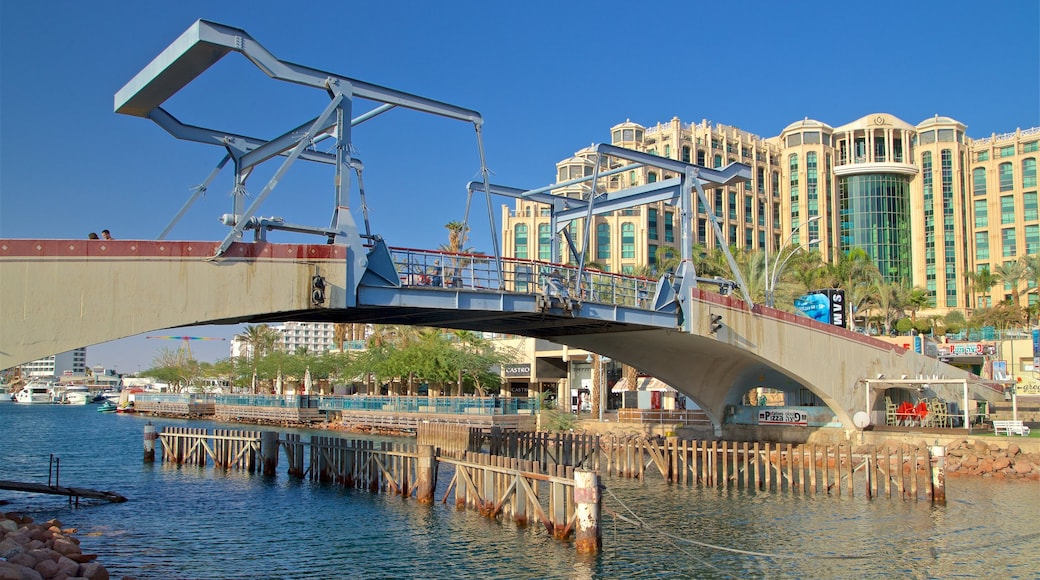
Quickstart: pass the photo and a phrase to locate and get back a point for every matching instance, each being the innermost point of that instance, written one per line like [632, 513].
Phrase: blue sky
[548, 77]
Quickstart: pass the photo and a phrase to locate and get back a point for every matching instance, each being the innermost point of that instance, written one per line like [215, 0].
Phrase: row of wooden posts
[565, 500]
[554, 479]
[908, 471]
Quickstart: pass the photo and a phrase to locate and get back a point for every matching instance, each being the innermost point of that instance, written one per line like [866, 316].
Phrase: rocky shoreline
[32, 551]
[979, 458]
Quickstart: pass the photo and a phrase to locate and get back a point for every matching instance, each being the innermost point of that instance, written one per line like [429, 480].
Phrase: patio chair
[890, 412]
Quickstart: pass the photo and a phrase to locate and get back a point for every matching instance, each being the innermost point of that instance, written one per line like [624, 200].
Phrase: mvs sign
[827, 306]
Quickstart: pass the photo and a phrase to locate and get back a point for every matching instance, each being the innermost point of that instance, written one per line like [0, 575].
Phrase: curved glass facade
[875, 216]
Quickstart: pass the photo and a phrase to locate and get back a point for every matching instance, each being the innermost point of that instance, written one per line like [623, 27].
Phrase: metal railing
[431, 405]
[479, 272]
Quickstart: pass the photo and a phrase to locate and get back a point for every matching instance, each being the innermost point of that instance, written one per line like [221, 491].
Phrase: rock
[1023, 467]
[69, 567]
[44, 554]
[970, 461]
[986, 465]
[82, 558]
[65, 547]
[1013, 450]
[8, 525]
[10, 571]
[1001, 463]
[93, 571]
[47, 568]
[23, 559]
[10, 546]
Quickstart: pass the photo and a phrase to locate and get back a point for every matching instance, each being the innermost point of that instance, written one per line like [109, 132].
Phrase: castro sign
[519, 370]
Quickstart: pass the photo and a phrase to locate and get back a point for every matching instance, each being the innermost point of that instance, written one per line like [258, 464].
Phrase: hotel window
[651, 224]
[718, 203]
[544, 243]
[1030, 147]
[732, 239]
[981, 213]
[978, 180]
[733, 206]
[520, 241]
[981, 245]
[603, 242]
[700, 157]
[717, 161]
[685, 154]
[776, 183]
[651, 177]
[1007, 209]
[631, 177]
[1007, 243]
[668, 151]
[1029, 172]
[1032, 239]
[1006, 151]
[669, 229]
[761, 188]
[628, 241]
[793, 165]
[651, 258]
[1029, 212]
[749, 216]
[982, 156]
[1007, 177]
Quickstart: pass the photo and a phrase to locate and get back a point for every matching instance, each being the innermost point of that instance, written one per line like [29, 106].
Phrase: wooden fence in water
[494, 486]
[906, 471]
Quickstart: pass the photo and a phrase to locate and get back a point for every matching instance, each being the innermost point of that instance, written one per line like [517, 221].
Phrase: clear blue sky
[548, 77]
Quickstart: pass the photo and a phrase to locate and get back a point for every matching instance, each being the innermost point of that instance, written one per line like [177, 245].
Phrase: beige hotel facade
[928, 203]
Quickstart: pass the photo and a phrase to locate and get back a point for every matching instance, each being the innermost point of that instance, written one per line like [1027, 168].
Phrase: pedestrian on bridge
[105, 234]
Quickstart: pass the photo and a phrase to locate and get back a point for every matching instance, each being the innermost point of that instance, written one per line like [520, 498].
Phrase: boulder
[1013, 450]
[10, 571]
[93, 571]
[47, 568]
[1000, 463]
[1023, 467]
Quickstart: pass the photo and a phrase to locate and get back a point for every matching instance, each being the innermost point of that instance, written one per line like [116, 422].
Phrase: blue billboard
[826, 306]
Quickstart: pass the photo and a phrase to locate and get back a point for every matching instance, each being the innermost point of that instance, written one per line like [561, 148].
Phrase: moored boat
[107, 407]
[76, 395]
[34, 393]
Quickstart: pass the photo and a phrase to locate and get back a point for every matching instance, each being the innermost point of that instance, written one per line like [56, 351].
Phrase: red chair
[905, 413]
[920, 412]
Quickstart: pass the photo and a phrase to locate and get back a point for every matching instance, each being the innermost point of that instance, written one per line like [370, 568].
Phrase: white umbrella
[278, 383]
[307, 381]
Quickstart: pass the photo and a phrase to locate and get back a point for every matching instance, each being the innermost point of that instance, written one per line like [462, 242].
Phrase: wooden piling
[587, 507]
[149, 442]
[937, 465]
[269, 452]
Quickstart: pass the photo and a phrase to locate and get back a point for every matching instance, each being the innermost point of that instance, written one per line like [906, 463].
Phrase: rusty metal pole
[587, 507]
[937, 462]
[425, 474]
[150, 436]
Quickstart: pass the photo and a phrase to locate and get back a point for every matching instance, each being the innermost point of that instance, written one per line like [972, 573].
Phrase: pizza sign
[782, 417]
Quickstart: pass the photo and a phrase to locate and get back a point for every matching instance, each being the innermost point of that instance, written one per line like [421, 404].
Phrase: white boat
[34, 393]
[77, 395]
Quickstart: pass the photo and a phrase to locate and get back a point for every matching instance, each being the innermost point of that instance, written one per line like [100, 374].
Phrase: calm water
[202, 523]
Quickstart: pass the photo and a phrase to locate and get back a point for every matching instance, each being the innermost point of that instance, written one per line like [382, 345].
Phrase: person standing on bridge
[105, 234]
[92, 236]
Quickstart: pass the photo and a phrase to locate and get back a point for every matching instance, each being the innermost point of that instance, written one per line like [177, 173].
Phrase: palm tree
[918, 299]
[1031, 263]
[1011, 274]
[261, 339]
[982, 282]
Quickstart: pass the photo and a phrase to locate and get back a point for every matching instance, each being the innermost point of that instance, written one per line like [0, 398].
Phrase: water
[204, 523]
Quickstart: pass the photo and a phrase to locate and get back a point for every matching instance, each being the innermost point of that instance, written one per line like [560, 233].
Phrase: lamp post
[771, 279]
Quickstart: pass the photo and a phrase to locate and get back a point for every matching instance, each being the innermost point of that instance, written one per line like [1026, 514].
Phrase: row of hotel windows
[1007, 151]
[1008, 244]
[1005, 176]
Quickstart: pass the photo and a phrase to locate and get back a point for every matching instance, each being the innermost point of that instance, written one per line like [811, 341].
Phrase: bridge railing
[479, 272]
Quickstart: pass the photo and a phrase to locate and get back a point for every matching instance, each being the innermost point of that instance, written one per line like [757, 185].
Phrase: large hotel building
[925, 201]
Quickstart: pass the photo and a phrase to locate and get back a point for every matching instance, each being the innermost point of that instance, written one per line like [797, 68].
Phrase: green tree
[261, 339]
[981, 283]
[918, 299]
[1012, 274]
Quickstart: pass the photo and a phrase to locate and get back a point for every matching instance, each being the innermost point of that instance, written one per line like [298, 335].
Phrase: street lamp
[771, 278]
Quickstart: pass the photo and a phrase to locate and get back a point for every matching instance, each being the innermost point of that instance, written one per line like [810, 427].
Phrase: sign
[782, 416]
[1036, 350]
[1027, 389]
[966, 349]
[520, 370]
[518, 389]
[826, 306]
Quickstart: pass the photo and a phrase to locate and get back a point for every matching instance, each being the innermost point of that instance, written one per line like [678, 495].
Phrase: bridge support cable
[691, 176]
[200, 190]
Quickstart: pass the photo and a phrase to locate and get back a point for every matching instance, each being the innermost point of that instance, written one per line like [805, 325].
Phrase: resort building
[928, 204]
[73, 362]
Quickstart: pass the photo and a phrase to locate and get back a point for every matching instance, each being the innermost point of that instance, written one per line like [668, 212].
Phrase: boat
[34, 393]
[107, 407]
[127, 408]
[76, 395]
